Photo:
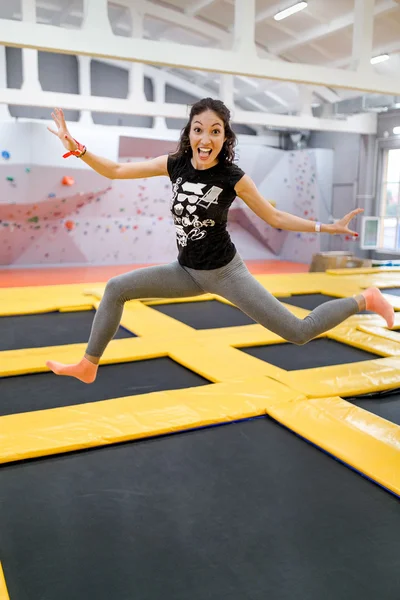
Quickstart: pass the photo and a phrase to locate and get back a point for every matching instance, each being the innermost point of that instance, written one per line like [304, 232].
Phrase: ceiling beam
[363, 31]
[213, 32]
[101, 43]
[364, 123]
[338, 24]
[193, 9]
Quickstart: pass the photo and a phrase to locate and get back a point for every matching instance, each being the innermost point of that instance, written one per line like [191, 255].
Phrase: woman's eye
[217, 131]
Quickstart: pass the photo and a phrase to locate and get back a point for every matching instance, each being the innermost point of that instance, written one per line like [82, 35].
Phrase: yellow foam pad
[20, 362]
[254, 385]
[42, 433]
[363, 270]
[383, 332]
[3, 587]
[366, 442]
[24, 301]
[348, 380]
[360, 439]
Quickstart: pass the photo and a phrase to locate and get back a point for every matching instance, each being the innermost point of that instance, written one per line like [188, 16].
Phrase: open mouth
[204, 152]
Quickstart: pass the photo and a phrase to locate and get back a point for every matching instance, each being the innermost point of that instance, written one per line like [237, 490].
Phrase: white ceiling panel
[313, 36]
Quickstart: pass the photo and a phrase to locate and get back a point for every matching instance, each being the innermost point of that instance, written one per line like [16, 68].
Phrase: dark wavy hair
[227, 154]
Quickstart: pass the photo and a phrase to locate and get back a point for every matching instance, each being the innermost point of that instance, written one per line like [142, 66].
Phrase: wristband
[79, 152]
[318, 227]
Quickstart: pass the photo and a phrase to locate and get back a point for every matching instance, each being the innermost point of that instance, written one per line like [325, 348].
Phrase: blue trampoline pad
[321, 352]
[49, 329]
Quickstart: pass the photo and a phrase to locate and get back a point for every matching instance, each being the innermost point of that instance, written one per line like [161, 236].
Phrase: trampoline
[320, 353]
[395, 291]
[383, 404]
[42, 391]
[49, 329]
[311, 301]
[206, 314]
[208, 460]
[242, 511]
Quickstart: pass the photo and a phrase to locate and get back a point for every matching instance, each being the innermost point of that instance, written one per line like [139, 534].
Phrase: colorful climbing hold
[69, 225]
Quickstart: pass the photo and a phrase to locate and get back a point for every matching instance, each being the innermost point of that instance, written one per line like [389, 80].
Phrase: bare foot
[375, 301]
[84, 370]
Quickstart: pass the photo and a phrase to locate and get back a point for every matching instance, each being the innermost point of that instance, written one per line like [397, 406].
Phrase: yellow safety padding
[383, 332]
[145, 321]
[98, 292]
[42, 433]
[219, 362]
[33, 360]
[382, 280]
[364, 441]
[363, 271]
[360, 439]
[365, 341]
[216, 362]
[41, 299]
[3, 587]
[367, 320]
[306, 283]
[347, 380]
[81, 308]
[157, 301]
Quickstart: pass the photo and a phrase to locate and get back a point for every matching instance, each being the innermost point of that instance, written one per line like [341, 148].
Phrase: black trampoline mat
[392, 291]
[40, 391]
[321, 352]
[205, 314]
[244, 511]
[311, 301]
[386, 406]
[49, 329]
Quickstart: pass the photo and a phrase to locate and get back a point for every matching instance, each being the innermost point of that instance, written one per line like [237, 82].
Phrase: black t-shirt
[200, 202]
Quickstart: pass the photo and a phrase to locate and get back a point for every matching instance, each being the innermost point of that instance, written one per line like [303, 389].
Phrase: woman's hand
[62, 131]
[342, 226]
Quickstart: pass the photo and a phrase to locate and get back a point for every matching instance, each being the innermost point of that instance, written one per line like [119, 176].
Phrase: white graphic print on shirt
[184, 205]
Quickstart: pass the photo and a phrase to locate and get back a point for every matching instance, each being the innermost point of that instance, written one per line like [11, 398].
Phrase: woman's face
[207, 136]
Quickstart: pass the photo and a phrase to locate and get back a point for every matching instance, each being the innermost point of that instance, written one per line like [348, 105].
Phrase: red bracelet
[78, 153]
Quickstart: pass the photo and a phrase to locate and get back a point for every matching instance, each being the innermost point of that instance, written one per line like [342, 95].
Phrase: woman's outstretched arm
[104, 166]
[247, 190]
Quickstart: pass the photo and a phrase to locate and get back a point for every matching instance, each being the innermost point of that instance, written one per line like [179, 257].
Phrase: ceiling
[320, 35]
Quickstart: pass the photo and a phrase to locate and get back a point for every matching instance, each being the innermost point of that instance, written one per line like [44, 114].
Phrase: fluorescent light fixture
[290, 11]
[379, 59]
[396, 130]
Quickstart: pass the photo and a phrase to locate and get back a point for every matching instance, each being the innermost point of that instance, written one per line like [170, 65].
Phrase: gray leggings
[233, 282]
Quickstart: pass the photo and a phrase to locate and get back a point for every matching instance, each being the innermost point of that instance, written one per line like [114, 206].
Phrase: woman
[205, 181]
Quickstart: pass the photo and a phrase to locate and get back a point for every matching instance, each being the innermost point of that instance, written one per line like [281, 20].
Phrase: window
[389, 230]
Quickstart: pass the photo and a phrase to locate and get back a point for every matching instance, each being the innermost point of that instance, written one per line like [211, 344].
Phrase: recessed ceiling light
[396, 130]
[290, 11]
[379, 59]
